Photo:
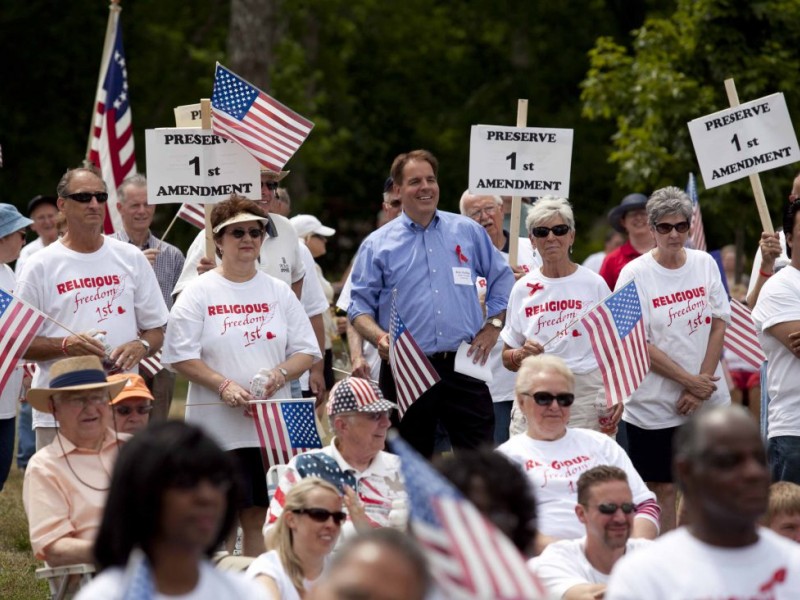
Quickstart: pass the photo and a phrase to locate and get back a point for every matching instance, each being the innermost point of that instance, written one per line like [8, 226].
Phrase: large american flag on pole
[616, 331]
[267, 129]
[412, 371]
[469, 557]
[741, 338]
[697, 234]
[285, 428]
[19, 324]
[111, 137]
[194, 214]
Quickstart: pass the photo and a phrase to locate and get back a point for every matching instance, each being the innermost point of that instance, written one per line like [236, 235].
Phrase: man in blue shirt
[431, 259]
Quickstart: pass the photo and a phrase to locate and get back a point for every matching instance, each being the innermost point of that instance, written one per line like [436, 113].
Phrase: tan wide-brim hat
[73, 374]
[271, 175]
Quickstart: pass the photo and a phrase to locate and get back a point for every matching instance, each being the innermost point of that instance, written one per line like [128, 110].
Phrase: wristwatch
[494, 322]
[146, 345]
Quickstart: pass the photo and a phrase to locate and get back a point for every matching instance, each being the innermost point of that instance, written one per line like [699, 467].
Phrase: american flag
[19, 324]
[193, 214]
[285, 429]
[468, 555]
[111, 139]
[267, 129]
[741, 338]
[616, 331]
[151, 365]
[697, 235]
[413, 373]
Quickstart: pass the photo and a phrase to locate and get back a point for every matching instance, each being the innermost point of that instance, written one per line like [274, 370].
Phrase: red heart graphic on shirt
[270, 335]
[708, 319]
[576, 333]
[120, 310]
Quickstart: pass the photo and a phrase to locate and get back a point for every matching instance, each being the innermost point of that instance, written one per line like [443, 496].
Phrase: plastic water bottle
[605, 415]
[109, 365]
[259, 383]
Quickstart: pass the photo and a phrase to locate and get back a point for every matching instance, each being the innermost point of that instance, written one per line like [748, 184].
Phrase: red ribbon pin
[461, 257]
[535, 287]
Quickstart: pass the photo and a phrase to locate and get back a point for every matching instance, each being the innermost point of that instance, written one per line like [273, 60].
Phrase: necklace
[66, 458]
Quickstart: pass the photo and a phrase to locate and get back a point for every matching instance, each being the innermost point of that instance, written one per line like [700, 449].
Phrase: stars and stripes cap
[353, 394]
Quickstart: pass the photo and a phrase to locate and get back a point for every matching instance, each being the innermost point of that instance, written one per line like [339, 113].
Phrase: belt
[442, 355]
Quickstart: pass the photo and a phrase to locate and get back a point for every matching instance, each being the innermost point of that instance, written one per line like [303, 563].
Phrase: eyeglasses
[546, 398]
[254, 233]
[543, 232]
[86, 197]
[320, 515]
[124, 410]
[394, 203]
[489, 210]
[664, 228]
[82, 401]
[609, 508]
[270, 185]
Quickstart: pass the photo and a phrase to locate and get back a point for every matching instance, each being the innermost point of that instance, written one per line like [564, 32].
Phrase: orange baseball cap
[135, 388]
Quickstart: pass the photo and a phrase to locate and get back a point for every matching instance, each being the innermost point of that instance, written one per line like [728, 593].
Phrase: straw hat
[271, 175]
[73, 374]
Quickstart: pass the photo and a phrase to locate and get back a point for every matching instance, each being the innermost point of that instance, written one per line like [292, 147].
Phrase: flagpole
[169, 227]
[113, 16]
[349, 374]
[252, 402]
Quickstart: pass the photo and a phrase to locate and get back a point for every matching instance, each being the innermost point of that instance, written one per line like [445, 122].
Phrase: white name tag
[462, 276]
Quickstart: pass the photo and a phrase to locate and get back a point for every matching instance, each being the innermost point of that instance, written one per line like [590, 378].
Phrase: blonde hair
[784, 499]
[533, 365]
[281, 538]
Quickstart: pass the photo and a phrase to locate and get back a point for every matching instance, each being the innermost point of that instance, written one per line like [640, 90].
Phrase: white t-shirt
[280, 255]
[594, 261]
[678, 565]
[540, 308]
[501, 387]
[369, 351]
[779, 302]
[10, 392]
[213, 585]
[312, 295]
[113, 289]
[270, 564]
[563, 564]
[553, 469]
[26, 252]
[236, 329]
[677, 305]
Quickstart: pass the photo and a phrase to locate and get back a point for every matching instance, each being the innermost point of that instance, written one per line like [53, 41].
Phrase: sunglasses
[270, 185]
[546, 398]
[320, 515]
[609, 508]
[665, 228]
[86, 197]
[124, 411]
[543, 232]
[254, 233]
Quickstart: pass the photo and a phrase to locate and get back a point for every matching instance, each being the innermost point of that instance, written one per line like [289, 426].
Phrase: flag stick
[205, 117]
[267, 401]
[348, 373]
[513, 229]
[161, 241]
[755, 179]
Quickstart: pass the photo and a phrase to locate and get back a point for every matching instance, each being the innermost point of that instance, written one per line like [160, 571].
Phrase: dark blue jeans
[7, 431]
[26, 438]
[783, 454]
[502, 420]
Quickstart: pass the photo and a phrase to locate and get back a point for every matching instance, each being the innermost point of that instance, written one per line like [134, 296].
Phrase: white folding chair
[65, 581]
[273, 478]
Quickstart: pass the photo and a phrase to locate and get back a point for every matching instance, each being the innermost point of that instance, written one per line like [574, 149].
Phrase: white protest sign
[519, 161]
[196, 165]
[188, 115]
[747, 139]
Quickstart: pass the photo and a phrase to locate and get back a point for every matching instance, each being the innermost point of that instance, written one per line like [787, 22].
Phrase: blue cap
[11, 220]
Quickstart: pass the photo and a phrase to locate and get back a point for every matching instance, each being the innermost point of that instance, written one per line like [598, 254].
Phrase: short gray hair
[66, 179]
[467, 195]
[282, 195]
[548, 207]
[668, 200]
[533, 365]
[135, 180]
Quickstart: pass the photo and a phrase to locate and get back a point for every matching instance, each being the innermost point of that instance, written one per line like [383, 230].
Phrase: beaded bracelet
[764, 275]
[223, 386]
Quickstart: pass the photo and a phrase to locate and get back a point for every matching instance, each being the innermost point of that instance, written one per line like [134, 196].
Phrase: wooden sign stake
[513, 229]
[205, 117]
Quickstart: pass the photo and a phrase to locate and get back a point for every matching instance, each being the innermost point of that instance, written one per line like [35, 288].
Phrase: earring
[570, 250]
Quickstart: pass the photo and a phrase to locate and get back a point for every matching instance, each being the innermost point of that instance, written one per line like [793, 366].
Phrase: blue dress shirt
[436, 296]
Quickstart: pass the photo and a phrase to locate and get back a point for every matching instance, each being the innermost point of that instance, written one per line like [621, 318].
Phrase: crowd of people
[671, 494]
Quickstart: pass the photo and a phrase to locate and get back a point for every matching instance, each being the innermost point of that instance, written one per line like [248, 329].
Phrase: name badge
[462, 276]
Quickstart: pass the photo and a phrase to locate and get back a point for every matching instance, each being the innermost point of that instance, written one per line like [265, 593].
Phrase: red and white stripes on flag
[697, 234]
[151, 365]
[285, 428]
[194, 214]
[412, 371]
[19, 324]
[267, 129]
[111, 137]
[616, 331]
[741, 338]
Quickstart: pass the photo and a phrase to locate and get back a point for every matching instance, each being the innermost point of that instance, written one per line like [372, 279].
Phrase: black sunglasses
[320, 515]
[270, 185]
[665, 228]
[123, 410]
[609, 508]
[254, 233]
[546, 398]
[86, 197]
[543, 232]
